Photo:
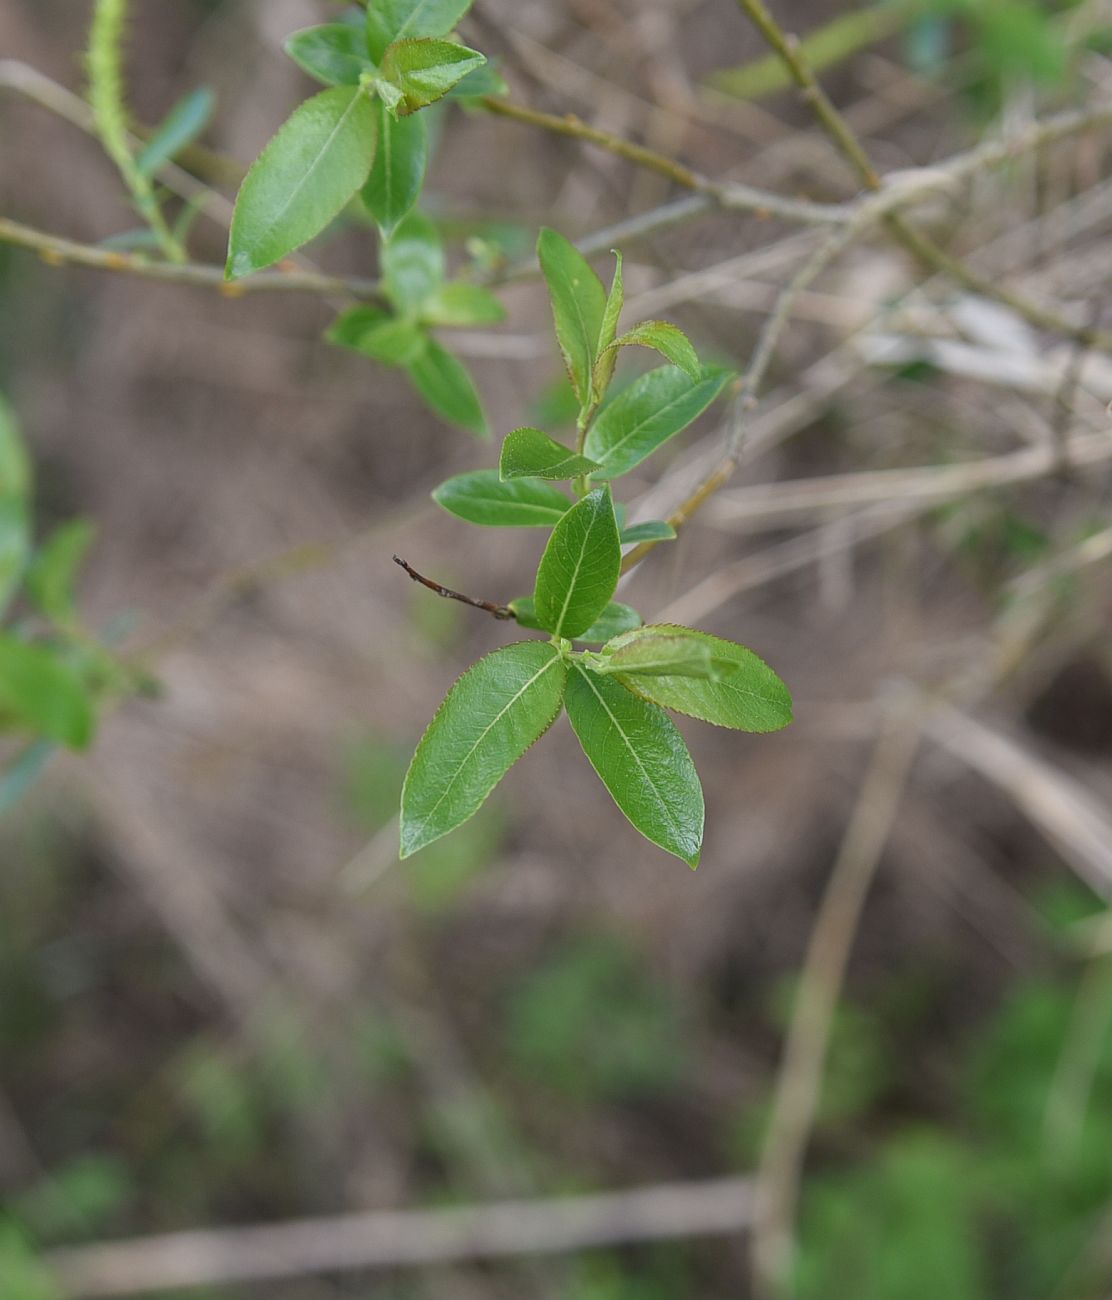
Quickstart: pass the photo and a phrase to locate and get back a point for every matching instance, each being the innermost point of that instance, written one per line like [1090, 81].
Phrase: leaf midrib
[676, 827]
[657, 412]
[559, 628]
[483, 735]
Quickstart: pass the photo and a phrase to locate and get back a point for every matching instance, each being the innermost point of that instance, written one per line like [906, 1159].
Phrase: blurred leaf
[52, 577]
[15, 463]
[445, 384]
[40, 691]
[23, 1276]
[181, 127]
[18, 778]
[459, 303]
[412, 262]
[651, 530]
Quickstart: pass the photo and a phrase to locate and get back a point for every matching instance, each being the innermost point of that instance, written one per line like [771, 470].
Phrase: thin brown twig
[798, 1088]
[488, 606]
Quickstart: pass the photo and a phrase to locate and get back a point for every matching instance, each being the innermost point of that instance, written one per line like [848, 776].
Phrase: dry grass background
[204, 434]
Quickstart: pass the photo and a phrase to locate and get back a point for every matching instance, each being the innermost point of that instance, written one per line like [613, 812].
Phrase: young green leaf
[302, 179]
[444, 383]
[491, 716]
[394, 184]
[412, 262]
[395, 341]
[615, 618]
[425, 70]
[578, 307]
[657, 654]
[642, 760]
[335, 53]
[669, 340]
[391, 20]
[41, 692]
[180, 127]
[531, 453]
[459, 303]
[651, 530]
[606, 358]
[482, 498]
[579, 568]
[645, 415]
[750, 698]
[53, 575]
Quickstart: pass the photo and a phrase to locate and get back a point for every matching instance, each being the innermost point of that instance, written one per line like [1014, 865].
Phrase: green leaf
[482, 498]
[15, 546]
[302, 179]
[180, 127]
[412, 262]
[490, 717]
[335, 53]
[652, 530]
[531, 453]
[460, 303]
[645, 415]
[751, 698]
[40, 691]
[398, 173]
[648, 651]
[390, 20]
[425, 70]
[578, 307]
[615, 618]
[606, 359]
[446, 386]
[51, 580]
[376, 333]
[642, 760]
[15, 463]
[486, 80]
[669, 340]
[579, 568]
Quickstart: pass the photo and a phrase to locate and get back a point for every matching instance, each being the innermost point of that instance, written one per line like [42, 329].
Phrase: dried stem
[497, 611]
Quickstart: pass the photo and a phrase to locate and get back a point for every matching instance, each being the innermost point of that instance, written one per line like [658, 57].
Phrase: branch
[391, 1239]
[56, 251]
[800, 1082]
[498, 611]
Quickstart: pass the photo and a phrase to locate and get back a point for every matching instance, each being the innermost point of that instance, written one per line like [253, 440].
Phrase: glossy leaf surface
[481, 497]
[642, 760]
[445, 384]
[425, 70]
[579, 568]
[490, 717]
[392, 20]
[529, 452]
[750, 698]
[645, 415]
[578, 306]
[398, 173]
[302, 179]
[334, 53]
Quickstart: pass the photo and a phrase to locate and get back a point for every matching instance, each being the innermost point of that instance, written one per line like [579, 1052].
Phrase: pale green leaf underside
[642, 760]
[579, 568]
[481, 497]
[667, 339]
[657, 654]
[490, 717]
[392, 20]
[750, 698]
[615, 618]
[645, 415]
[302, 179]
[531, 453]
[578, 306]
[652, 530]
